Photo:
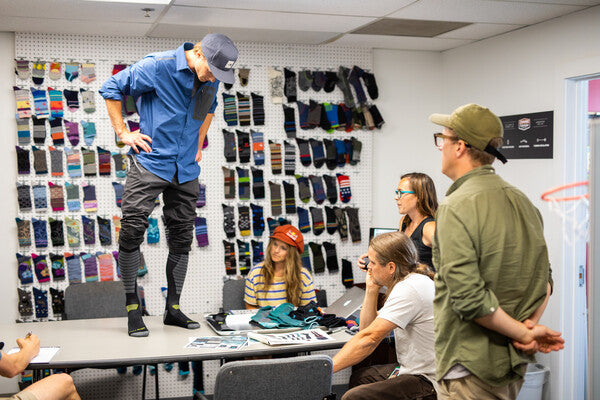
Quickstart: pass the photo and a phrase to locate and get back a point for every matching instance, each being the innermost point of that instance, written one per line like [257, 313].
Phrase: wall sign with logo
[528, 135]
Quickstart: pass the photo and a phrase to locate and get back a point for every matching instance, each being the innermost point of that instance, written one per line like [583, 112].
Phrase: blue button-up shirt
[172, 104]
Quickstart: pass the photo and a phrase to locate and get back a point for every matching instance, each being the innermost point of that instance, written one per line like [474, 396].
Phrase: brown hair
[480, 157]
[424, 189]
[292, 277]
[398, 248]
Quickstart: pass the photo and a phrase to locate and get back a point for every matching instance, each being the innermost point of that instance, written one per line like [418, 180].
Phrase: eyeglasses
[400, 193]
[438, 140]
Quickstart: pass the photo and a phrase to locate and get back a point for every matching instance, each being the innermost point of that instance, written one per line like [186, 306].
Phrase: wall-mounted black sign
[528, 135]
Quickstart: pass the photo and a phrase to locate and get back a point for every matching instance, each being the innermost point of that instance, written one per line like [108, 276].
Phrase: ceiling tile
[408, 27]
[490, 11]
[479, 31]
[64, 26]
[179, 15]
[399, 42]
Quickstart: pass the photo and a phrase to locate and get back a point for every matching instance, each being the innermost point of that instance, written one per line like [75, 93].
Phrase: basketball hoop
[574, 210]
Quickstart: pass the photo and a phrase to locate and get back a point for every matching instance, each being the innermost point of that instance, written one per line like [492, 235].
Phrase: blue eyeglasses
[400, 193]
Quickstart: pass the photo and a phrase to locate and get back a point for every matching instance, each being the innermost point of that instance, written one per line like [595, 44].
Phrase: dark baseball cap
[221, 55]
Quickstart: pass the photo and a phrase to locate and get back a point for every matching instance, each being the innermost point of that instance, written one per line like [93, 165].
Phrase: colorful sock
[229, 109]
[42, 272]
[56, 161]
[243, 109]
[230, 264]
[258, 254]
[331, 256]
[340, 152]
[347, 276]
[344, 85]
[118, 68]
[289, 124]
[243, 146]
[152, 232]
[354, 79]
[318, 225]
[376, 115]
[89, 162]
[332, 115]
[57, 199]
[40, 164]
[318, 152]
[40, 103]
[90, 266]
[228, 220]
[73, 267]
[22, 69]
[71, 71]
[303, 188]
[331, 223]
[105, 266]
[290, 85]
[58, 302]
[244, 220]
[57, 234]
[25, 273]
[275, 157]
[303, 115]
[24, 197]
[341, 222]
[275, 190]
[330, 154]
[89, 132]
[120, 164]
[258, 147]
[38, 71]
[258, 183]
[349, 117]
[349, 150]
[118, 193]
[289, 164]
[201, 231]
[58, 267]
[229, 149]
[258, 222]
[23, 132]
[25, 305]
[72, 232]
[369, 121]
[317, 186]
[90, 203]
[243, 74]
[24, 232]
[89, 230]
[73, 203]
[201, 201]
[318, 260]
[344, 183]
[39, 197]
[23, 163]
[56, 103]
[88, 73]
[103, 161]
[117, 224]
[72, 129]
[72, 99]
[258, 109]
[272, 224]
[314, 114]
[41, 303]
[73, 162]
[290, 197]
[23, 104]
[324, 123]
[244, 257]
[87, 100]
[104, 231]
[353, 223]
[304, 151]
[229, 182]
[39, 130]
[276, 85]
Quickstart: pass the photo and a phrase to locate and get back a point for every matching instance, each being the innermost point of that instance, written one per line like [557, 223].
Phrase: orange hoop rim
[564, 187]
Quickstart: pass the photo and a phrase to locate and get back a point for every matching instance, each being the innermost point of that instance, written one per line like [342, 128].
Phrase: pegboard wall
[203, 285]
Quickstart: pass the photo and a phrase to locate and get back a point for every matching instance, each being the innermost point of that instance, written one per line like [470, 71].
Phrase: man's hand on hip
[137, 141]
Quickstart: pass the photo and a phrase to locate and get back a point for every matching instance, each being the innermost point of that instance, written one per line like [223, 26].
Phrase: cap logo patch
[292, 235]
[230, 64]
[524, 124]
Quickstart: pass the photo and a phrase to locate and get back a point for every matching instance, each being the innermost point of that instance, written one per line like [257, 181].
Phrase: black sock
[331, 188]
[330, 154]
[318, 260]
[290, 197]
[258, 183]
[229, 146]
[318, 224]
[353, 224]
[289, 122]
[176, 271]
[303, 188]
[230, 265]
[341, 222]
[318, 152]
[347, 276]
[304, 151]
[129, 263]
[331, 223]
[243, 140]
[331, 257]
[289, 87]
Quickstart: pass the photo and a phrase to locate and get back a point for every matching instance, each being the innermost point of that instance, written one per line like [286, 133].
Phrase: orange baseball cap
[289, 234]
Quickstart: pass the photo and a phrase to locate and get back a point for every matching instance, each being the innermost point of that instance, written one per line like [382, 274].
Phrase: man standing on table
[494, 277]
[175, 92]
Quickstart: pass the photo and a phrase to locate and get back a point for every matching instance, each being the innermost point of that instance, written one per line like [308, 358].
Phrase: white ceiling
[282, 21]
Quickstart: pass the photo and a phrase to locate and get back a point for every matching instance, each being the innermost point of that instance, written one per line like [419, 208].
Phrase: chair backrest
[293, 378]
[95, 300]
[233, 294]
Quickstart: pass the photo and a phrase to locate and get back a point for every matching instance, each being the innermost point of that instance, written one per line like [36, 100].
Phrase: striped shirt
[256, 294]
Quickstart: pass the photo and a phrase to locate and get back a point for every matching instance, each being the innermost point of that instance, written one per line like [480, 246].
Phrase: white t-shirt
[410, 307]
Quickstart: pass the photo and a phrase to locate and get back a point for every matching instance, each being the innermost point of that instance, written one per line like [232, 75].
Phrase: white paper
[45, 355]
[238, 322]
[217, 342]
[297, 337]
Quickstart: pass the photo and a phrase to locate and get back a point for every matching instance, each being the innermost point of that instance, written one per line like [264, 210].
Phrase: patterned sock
[23, 104]
[152, 232]
[230, 264]
[318, 225]
[289, 124]
[275, 157]
[42, 272]
[303, 188]
[331, 256]
[244, 257]
[72, 232]
[73, 267]
[353, 223]
[89, 132]
[57, 234]
[317, 186]
[290, 197]
[332, 115]
[23, 163]
[23, 132]
[24, 197]
[58, 267]
[331, 220]
[341, 222]
[58, 302]
[24, 231]
[314, 114]
[40, 103]
[72, 99]
[177, 264]
[229, 182]
[89, 230]
[56, 161]
[22, 69]
[73, 162]
[89, 162]
[258, 254]
[38, 71]
[104, 231]
[229, 149]
[25, 273]
[57, 199]
[344, 85]
[201, 231]
[318, 152]
[88, 73]
[117, 224]
[39, 197]
[72, 129]
[228, 220]
[201, 201]
[276, 85]
[71, 71]
[56, 103]
[40, 164]
[87, 101]
[244, 220]
[347, 276]
[105, 266]
[318, 260]
[89, 198]
[73, 203]
[243, 146]
[258, 222]
[344, 183]
[258, 109]
[324, 123]
[340, 152]
[258, 147]
[103, 161]
[275, 190]
[90, 266]
[331, 188]
[40, 232]
[243, 109]
[289, 164]
[229, 109]
[120, 164]
[41, 302]
[304, 151]
[330, 154]
[258, 183]
[118, 193]
[303, 115]
[272, 223]
[376, 115]
[290, 85]
[349, 150]
[39, 130]
[25, 305]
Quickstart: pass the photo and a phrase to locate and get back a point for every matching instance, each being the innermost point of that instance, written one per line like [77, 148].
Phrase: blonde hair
[427, 202]
[292, 277]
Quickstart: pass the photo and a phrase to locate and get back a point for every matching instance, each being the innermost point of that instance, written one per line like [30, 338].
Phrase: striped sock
[344, 183]
[303, 221]
[201, 231]
[23, 104]
[23, 132]
[40, 103]
[258, 109]
[105, 266]
[318, 224]
[244, 257]
[304, 151]
[56, 103]
[258, 147]
[290, 197]
[289, 164]
[275, 190]
[244, 220]
[275, 157]
[229, 109]
[103, 161]
[89, 162]
[289, 123]
[243, 109]
[318, 191]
